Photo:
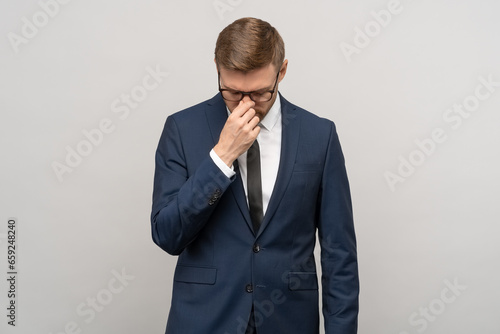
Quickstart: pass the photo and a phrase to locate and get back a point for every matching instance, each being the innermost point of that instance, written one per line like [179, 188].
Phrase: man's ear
[283, 69]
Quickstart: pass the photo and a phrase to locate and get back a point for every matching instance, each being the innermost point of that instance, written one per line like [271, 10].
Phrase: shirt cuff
[228, 171]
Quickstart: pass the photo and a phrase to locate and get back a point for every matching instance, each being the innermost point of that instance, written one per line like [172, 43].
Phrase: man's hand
[239, 133]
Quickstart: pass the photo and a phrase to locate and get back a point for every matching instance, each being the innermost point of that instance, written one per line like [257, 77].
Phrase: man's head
[250, 57]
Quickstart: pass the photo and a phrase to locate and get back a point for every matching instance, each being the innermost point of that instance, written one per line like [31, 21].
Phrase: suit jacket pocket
[303, 280]
[199, 275]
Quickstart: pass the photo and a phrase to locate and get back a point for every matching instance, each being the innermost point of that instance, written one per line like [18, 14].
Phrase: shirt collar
[273, 115]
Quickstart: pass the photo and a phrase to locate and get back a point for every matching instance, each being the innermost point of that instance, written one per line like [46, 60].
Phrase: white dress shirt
[269, 140]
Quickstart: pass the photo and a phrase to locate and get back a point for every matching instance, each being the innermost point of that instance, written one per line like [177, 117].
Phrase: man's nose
[246, 98]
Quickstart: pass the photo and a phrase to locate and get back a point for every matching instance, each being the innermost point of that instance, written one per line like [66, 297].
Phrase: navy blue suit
[223, 267]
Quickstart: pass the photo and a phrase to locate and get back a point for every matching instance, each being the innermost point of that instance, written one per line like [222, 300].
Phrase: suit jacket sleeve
[338, 245]
[185, 193]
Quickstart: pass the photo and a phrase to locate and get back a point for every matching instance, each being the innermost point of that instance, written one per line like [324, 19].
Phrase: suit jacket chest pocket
[305, 182]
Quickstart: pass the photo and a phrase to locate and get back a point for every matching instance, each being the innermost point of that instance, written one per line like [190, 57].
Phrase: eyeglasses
[256, 96]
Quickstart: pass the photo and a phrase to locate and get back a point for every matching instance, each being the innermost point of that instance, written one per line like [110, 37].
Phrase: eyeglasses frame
[248, 93]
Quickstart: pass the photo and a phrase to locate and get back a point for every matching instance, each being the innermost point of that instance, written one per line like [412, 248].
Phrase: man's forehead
[248, 81]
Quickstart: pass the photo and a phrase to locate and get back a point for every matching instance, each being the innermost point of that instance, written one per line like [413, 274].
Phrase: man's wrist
[228, 160]
[227, 170]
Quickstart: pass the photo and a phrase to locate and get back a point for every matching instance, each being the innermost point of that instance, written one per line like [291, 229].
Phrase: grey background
[439, 225]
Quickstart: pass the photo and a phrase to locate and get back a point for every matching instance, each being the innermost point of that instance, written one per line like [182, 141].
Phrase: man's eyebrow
[252, 91]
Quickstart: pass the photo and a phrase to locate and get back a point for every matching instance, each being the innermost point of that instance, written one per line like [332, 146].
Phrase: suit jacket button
[249, 288]
[256, 248]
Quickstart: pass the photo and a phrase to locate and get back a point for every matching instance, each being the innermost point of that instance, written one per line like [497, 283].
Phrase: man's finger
[249, 115]
[243, 107]
[255, 132]
[254, 122]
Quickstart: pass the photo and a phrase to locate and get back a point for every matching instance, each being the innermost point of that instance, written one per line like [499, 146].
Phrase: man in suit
[243, 182]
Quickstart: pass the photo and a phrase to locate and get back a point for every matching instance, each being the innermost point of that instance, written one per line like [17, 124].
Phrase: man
[243, 181]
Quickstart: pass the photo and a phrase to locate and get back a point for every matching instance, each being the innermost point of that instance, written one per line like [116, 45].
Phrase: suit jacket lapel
[290, 134]
[216, 113]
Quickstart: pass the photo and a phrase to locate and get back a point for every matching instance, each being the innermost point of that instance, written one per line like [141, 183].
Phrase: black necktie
[254, 185]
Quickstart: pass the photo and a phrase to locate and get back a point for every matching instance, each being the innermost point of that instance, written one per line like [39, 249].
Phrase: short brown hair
[248, 44]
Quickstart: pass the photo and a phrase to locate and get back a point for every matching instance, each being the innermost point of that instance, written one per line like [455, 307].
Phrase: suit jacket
[224, 268]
